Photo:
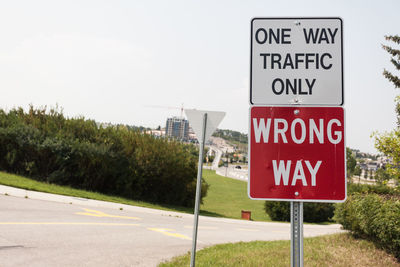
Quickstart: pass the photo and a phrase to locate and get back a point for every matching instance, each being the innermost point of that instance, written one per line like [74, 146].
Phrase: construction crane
[167, 107]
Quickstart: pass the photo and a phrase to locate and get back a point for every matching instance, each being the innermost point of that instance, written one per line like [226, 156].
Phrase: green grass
[33, 185]
[331, 250]
[226, 197]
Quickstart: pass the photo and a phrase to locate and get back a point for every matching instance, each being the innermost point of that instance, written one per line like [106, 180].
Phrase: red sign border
[297, 200]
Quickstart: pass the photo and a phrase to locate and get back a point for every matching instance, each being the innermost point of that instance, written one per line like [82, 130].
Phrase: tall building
[177, 127]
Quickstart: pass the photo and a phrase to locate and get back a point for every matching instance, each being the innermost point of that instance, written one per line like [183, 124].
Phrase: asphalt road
[47, 233]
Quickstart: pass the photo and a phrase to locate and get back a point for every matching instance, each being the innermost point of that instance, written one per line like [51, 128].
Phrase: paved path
[46, 230]
[232, 172]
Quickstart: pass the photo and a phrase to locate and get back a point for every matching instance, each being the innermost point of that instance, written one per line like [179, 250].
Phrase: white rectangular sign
[296, 61]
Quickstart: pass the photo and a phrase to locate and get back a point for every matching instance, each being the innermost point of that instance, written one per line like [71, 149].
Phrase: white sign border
[298, 200]
[294, 18]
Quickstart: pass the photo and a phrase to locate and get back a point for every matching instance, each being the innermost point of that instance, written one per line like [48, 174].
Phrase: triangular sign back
[195, 118]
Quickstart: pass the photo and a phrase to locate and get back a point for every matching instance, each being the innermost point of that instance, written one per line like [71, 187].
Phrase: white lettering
[299, 174]
[318, 132]
[313, 171]
[262, 129]
[281, 172]
[278, 131]
[293, 131]
[338, 134]
[315, 133]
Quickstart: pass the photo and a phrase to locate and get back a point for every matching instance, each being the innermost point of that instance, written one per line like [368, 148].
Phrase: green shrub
[366, 188]
[312, 211]
[278, 210]
[46, 146]
[373, 216]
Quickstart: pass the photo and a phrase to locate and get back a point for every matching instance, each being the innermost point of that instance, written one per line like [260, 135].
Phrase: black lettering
[276, 58]
[327, 67]
[258, 38]
[272, 35]
[309, 59]
[298, 60]
[273, 86]
[310, 85]
[284, 35]
[310, 35]
[288, 62]
[293, 87]
[301, 87]
[265, 59]
[332, 34]
[323, 37]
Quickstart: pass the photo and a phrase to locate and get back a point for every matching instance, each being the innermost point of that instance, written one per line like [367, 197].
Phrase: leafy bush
[278, 210]
[116, 160]
[312, 211]
[378, 189]
[373, 216]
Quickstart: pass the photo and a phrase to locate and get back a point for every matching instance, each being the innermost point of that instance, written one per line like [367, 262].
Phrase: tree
[395, 60]
[351, 163]
[381, 176]
[357, 170]
[395, 53]
[389, 142]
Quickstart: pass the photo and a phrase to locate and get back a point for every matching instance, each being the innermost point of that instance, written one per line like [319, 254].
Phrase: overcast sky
[113, 61]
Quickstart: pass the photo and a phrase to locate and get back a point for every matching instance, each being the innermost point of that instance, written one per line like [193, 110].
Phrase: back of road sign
[195, 118]
[297, 154]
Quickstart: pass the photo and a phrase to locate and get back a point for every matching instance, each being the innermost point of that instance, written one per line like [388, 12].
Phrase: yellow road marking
[166, 232]
[249, 230]
[202, 227]
[96, 213]
[68, 223]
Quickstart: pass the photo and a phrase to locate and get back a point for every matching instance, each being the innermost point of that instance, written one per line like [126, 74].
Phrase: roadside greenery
[34, 185]
[368, 189]
[389, 142]
[373, 216]
[331, 250]
[351, 163]
[225, 198]
[115, 160]
[232, 136]
[313, 212]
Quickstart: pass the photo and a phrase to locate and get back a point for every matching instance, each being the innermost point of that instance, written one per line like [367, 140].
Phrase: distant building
[156, 133]
[177, 127]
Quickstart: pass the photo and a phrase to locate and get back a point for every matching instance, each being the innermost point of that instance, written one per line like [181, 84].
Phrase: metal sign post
[203, 124]
[198, 192]
[296, 234]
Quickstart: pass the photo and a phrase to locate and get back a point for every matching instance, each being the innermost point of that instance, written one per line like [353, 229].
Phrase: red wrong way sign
[297, 153]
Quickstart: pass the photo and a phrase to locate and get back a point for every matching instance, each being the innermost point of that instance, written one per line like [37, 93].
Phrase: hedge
[378, 189]
[312, 211]
[373, 216]
[46, 146]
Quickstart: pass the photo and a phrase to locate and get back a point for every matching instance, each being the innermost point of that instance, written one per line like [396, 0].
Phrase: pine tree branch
[393, 52]
[394, 79]
[396, 63]
[393, 38]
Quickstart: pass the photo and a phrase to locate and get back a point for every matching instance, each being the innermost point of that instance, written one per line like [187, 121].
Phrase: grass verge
[33, 185]
[331, 250]
[226, 197]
